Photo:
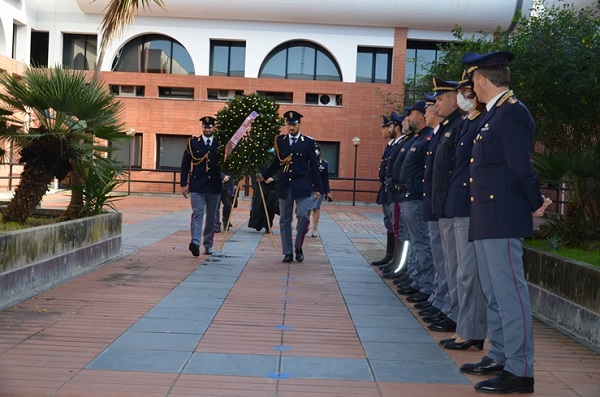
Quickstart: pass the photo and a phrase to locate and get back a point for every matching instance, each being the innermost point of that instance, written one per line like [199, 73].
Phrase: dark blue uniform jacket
[296, 167]
[505, 189]
[200, 167]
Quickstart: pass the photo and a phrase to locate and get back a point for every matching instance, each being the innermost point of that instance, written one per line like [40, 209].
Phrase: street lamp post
[131, 134]
[356, 143]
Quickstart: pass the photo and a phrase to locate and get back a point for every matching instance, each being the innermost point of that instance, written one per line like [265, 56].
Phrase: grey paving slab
[140, 360]
[417, 371]
[352, 299]
[326, 368]
[156, 341]
[395, 351]
[232, 364]
[192, 302]
[174, 325]
[411, 333]
[376, 309]
[176, 311]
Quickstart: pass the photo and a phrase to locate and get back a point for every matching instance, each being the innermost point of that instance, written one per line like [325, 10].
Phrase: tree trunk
[76, 203]
[29, 194]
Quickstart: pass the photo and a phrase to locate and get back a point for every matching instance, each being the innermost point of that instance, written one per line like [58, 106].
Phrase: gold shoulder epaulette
[510, 96]
[474, 115]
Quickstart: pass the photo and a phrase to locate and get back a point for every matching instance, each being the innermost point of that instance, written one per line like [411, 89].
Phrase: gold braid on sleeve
[286, 161]
[196, 160]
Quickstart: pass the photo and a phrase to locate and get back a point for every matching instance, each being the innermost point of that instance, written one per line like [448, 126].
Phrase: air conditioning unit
[126, 90]
[328, 100]
[225, 94]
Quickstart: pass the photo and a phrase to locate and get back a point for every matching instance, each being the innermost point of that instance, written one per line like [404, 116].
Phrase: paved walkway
[159, 322]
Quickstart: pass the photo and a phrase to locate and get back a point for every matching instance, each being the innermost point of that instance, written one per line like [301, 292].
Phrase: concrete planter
[565, 294]
[33, 259]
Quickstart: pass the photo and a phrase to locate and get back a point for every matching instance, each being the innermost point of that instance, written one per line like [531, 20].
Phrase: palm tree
[52, 117]
[119, 14]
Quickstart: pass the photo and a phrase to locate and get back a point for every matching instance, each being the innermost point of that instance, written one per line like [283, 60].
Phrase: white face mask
[463, 103]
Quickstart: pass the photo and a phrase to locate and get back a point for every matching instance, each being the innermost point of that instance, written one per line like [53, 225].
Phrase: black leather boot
[389, 251]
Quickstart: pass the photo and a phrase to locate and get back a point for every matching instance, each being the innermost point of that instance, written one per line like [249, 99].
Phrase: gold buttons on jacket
[472, 159]
[464, 183]
[491, 196]
[472, 198]
[471, 180]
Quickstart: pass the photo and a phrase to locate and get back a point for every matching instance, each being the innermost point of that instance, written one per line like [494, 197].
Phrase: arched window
[300, 60]
[153, 53]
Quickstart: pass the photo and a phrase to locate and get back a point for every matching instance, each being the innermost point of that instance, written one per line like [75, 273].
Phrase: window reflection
[227, 58]
[79, 51]
[374, 65]
[153, 54]
[300, 60]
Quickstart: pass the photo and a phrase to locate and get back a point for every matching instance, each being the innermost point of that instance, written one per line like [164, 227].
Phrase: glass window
[170, 151]
[300, 60]
[153, 53]
[129, 151]
[330, 151]
[374, 65]
[227, 58]
[79, 51]
[420, 56]
[39, 49]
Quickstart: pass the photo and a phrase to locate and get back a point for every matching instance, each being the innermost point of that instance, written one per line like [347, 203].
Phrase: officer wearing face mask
[471, 325]
[438, 173]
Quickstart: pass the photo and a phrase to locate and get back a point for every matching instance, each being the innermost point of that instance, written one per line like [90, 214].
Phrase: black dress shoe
[485, 366]
[207, 250]
[434, 317]
[401, 278]
[388, 267]
[390, 274]
[422, 305]
[299, 255]
[195, 249]
[464, 345]
[446, 325]
[418, 297]
[407, 290]
[429, 311]
[288, 258]
[444, 341]
[405, 283]
[505, 383]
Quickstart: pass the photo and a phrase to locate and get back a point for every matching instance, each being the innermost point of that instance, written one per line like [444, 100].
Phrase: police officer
[201, 182]
[298, 179]
[389, 134]
[314, 208]
[471, 324]
[410, 197]
[443, 162]
[505, 190]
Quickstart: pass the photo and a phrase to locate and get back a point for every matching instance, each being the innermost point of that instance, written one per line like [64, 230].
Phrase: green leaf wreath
[254, 150]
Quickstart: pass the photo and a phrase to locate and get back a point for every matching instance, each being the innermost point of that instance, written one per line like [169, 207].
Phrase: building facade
[333, 61]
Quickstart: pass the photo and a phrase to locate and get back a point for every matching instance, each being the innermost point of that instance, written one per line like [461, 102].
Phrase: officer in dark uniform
[471, 325]
[410, 197]
[447, 110]
[447, 107]
[405, 255]
[505, 190]
[298, 179]
[388, 133]
[201, 181]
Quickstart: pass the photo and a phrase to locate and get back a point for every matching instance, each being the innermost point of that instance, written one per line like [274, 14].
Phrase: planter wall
[33, 259]
[565, 294]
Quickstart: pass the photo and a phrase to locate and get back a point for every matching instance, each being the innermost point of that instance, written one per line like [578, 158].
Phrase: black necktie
[293, 141]
[208, 143]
